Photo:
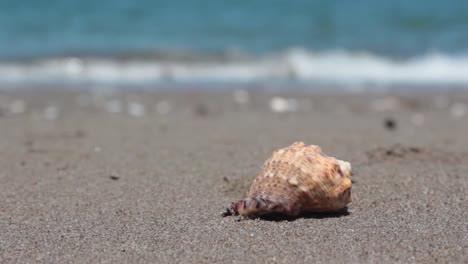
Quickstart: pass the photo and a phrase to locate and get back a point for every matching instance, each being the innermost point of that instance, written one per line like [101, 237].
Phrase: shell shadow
[281, 217]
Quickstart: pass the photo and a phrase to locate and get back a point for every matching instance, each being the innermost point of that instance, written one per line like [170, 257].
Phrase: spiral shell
[298, 179]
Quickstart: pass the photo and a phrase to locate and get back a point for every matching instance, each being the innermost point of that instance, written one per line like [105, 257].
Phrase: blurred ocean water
[143, 42]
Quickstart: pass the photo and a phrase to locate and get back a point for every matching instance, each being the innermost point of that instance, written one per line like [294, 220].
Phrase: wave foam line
[335, 67]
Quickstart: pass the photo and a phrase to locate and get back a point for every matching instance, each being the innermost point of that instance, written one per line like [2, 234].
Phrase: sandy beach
[135, 177]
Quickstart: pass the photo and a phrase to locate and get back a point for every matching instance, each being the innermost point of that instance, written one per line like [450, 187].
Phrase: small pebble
[279, 104]
[390, 123]
[136, 109]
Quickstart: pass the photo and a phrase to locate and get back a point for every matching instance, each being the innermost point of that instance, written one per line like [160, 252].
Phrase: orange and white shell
[298, 179]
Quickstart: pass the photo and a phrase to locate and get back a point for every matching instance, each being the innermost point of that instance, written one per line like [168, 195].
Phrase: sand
[79, 184]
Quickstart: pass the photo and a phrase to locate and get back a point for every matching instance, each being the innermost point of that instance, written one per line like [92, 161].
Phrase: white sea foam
[294, 65]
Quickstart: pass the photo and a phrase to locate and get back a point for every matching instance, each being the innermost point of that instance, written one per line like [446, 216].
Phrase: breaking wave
[293, 65]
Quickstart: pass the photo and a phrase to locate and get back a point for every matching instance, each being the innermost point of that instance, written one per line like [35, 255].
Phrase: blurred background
[151, 44]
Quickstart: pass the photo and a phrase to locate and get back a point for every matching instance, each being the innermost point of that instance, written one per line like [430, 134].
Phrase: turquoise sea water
[143, 41]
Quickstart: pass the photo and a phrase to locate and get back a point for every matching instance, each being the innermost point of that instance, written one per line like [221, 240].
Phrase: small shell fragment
[298, 179]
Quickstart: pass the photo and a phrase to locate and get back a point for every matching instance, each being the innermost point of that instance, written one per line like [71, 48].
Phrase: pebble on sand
[390, 123]
[280, 105]
[136, 109]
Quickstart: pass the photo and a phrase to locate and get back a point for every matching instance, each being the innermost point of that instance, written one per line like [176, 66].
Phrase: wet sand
[81, 184]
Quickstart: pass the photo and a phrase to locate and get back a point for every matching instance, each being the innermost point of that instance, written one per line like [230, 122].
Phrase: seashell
[298, 179]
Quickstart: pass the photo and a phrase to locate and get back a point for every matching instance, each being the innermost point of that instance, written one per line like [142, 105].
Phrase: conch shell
[298, 179]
